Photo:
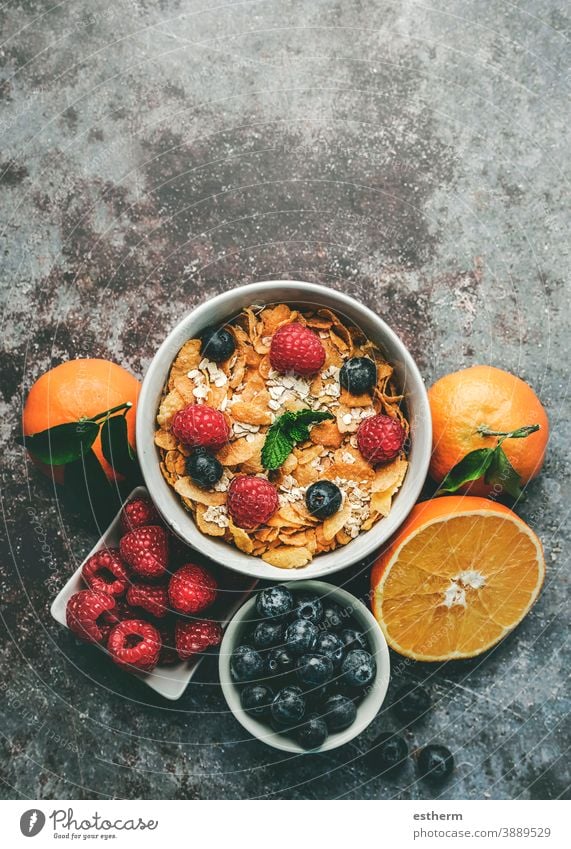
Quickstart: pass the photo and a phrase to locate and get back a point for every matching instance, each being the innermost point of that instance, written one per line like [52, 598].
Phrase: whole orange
[483, 395]
[75, 389]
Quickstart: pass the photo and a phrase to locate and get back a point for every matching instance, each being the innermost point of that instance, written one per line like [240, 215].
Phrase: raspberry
[105, 571]
[380, 438]
[195, 637]
[137, 513]
[135, 644]
[145, 550]
[251, 501]
[85, 614]
[153, 599]
[200, 426]
[296, 348]
[191, 589]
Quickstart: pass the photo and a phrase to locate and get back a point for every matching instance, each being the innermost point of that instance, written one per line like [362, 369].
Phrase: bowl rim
[177, 516]
[367, 710]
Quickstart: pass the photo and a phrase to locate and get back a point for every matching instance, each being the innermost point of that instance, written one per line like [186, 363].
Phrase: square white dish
[168, 681]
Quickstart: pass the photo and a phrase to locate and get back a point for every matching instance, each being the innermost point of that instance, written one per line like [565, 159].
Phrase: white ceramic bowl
[366, 710]
[225, 307]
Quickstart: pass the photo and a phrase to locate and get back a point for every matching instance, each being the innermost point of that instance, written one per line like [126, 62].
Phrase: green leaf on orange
[115, 444]
[472, 467]
[63, 443]
[501, 473]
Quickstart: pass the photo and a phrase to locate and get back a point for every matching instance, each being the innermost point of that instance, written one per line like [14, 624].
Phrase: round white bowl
[221, 309]
[366, 710]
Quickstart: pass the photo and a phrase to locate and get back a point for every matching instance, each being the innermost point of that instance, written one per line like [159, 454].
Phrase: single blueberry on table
[217, 344]
[273, 602]
[339, 712]
[246, 664]
[411, 703]
[278, 661]
[314, 669]
[312, 733]
[358, 668]
[204, 469]
[354, 639]
[323, 499]
[267, 634]
[288, 706]
[358, 375]
[308, 606]
[388, 753]
[435, 763]
[300, 636]
[330, 645]
[256, 700]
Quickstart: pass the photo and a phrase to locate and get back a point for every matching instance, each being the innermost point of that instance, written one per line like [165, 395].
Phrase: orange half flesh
[457, 578]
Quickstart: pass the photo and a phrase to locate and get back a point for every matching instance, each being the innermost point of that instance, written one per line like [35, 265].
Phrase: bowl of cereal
[283, 426]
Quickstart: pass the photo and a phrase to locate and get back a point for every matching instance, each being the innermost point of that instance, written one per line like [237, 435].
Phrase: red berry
[137, 513]
[191, 589]
[84, 614]
[153, 599]
[106, 572]
[135, 644]
[380, 438]
[251, 501]
[146, 551]
[200, 426]
[296, 348]
[195, 637]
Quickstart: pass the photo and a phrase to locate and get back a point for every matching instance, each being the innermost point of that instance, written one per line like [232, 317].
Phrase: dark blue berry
[278, 661]
[300, 636]
[435, 763]
[323, 499]
[354, 640]
[274, 601]
[312, 733]
[330, 645]
[358, 668]
[358, 375]
[411, 703]
[267, 634]
[217, 344]
[314, 669]
[308, 606]
[204, 469]
[246, 664]
[339, 712]
[389, 752]
[256, 700]
[332, 615]
[288, 706]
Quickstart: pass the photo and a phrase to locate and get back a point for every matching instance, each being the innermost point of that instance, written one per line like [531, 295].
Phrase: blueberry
[389, 752]
[339, 712]
[411, 703]
[256, 700]
[308, 606]
[246, 664]
[435, 763]
[268, 633]
[317, 696]
[354, 639]
[217, 344]
[288, 706]
[358, 668]
[204, 469]
[332, 615]
[358, 375]
[314, 669]
[330, 645]
[279, 662]
[323, 499]
[312, 733]
[273, 602]
[300, 636]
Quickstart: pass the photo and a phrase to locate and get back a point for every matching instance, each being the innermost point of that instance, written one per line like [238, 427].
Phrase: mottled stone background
[156, 152]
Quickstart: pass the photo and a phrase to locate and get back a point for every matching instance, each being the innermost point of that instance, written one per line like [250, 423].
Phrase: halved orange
[459, 575]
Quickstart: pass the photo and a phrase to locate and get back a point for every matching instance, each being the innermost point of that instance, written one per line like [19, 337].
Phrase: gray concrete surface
[155, 152]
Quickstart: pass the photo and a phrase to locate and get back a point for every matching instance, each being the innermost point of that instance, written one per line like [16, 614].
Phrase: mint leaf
[473, 466]
[61, 444]
[502, 472]
[287, 430]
